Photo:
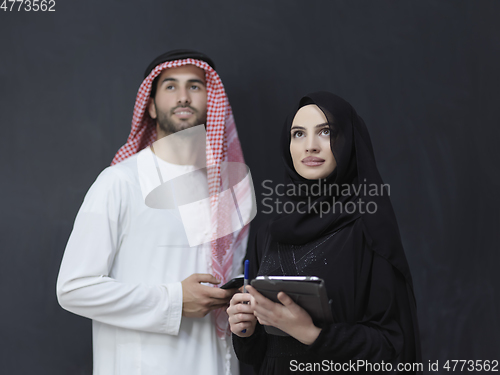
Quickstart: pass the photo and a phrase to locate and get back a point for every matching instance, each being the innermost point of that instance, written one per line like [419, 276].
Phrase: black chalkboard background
[424, 75]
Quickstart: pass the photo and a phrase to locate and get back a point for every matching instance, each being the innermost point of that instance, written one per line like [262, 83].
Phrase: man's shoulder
[123, 173]
[112, 184]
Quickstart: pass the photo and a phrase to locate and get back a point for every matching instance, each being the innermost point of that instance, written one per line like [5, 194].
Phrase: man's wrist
[174, 312]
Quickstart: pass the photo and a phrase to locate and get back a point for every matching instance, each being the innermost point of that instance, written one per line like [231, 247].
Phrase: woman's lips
[312, 161]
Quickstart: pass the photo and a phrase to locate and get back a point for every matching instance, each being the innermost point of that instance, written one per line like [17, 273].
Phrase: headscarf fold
[222, 145]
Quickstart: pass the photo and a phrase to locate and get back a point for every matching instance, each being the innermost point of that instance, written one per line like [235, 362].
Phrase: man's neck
[186, 147]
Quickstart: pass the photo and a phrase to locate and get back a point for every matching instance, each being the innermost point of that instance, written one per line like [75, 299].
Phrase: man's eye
[194, 87]
[170, 87]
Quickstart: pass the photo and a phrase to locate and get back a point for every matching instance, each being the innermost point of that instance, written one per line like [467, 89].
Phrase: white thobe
[123, 267]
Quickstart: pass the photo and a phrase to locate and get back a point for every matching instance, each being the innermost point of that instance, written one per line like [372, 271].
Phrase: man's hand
[198, 300]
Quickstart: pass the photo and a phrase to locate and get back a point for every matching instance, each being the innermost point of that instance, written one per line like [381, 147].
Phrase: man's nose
[183, 98]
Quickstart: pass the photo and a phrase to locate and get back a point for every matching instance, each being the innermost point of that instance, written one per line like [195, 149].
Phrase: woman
[343, 230]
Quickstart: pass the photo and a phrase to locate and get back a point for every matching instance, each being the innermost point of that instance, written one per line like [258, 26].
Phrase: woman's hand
[289, 317]
[241, 315]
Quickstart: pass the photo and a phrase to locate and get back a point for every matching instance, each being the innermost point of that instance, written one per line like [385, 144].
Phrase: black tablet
[308, 292]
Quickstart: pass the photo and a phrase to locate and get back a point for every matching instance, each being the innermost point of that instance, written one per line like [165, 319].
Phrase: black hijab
[356, 168]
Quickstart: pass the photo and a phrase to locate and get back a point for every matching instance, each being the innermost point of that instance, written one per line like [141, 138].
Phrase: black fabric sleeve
[377, 335]
[251, 350]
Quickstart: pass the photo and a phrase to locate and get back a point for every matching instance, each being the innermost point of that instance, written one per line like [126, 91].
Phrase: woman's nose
[312, 145]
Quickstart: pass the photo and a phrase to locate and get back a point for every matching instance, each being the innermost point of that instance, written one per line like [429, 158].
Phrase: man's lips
[312, 161]
[183, 112]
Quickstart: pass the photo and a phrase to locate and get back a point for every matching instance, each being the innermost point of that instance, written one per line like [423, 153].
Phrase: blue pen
[245, 282]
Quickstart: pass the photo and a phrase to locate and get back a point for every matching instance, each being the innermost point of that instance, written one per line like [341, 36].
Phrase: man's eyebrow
[194, 80]
[168, 79]
[316, 126]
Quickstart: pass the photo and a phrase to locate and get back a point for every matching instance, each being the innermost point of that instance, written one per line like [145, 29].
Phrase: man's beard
[168, 126]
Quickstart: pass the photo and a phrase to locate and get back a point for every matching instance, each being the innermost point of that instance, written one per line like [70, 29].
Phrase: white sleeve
[84, 286]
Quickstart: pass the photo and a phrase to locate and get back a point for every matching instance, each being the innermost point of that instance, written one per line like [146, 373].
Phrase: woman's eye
[297, 134]
[325, 131]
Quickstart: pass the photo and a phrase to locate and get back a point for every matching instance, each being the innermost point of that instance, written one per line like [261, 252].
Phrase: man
[130, 267]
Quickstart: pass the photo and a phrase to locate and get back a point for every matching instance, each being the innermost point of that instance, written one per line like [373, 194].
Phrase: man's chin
[186, 125]
[177, 126]
[171, 127]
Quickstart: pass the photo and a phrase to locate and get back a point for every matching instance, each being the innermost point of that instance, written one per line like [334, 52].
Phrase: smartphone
[237, 282]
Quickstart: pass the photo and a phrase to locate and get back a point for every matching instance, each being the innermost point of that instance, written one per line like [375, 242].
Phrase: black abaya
[373, 313]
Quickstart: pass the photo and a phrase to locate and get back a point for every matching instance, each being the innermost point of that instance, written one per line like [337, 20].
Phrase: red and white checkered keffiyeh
[223, 145]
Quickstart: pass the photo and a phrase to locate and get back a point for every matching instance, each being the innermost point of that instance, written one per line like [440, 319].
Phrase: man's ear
[152, 108]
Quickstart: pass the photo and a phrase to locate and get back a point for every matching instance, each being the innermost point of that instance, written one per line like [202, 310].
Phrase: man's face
[180, 101]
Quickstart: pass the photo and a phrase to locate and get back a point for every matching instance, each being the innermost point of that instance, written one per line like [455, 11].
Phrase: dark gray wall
[423, 74]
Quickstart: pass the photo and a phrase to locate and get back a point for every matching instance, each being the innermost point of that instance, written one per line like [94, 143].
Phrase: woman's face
[310, 143]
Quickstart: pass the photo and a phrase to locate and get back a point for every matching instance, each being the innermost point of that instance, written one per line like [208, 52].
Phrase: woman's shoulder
[262, 231]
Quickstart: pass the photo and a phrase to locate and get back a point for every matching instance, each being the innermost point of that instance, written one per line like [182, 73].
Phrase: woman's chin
[313, 175]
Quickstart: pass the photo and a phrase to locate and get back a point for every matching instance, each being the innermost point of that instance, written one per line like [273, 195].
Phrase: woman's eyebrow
[316, 126]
